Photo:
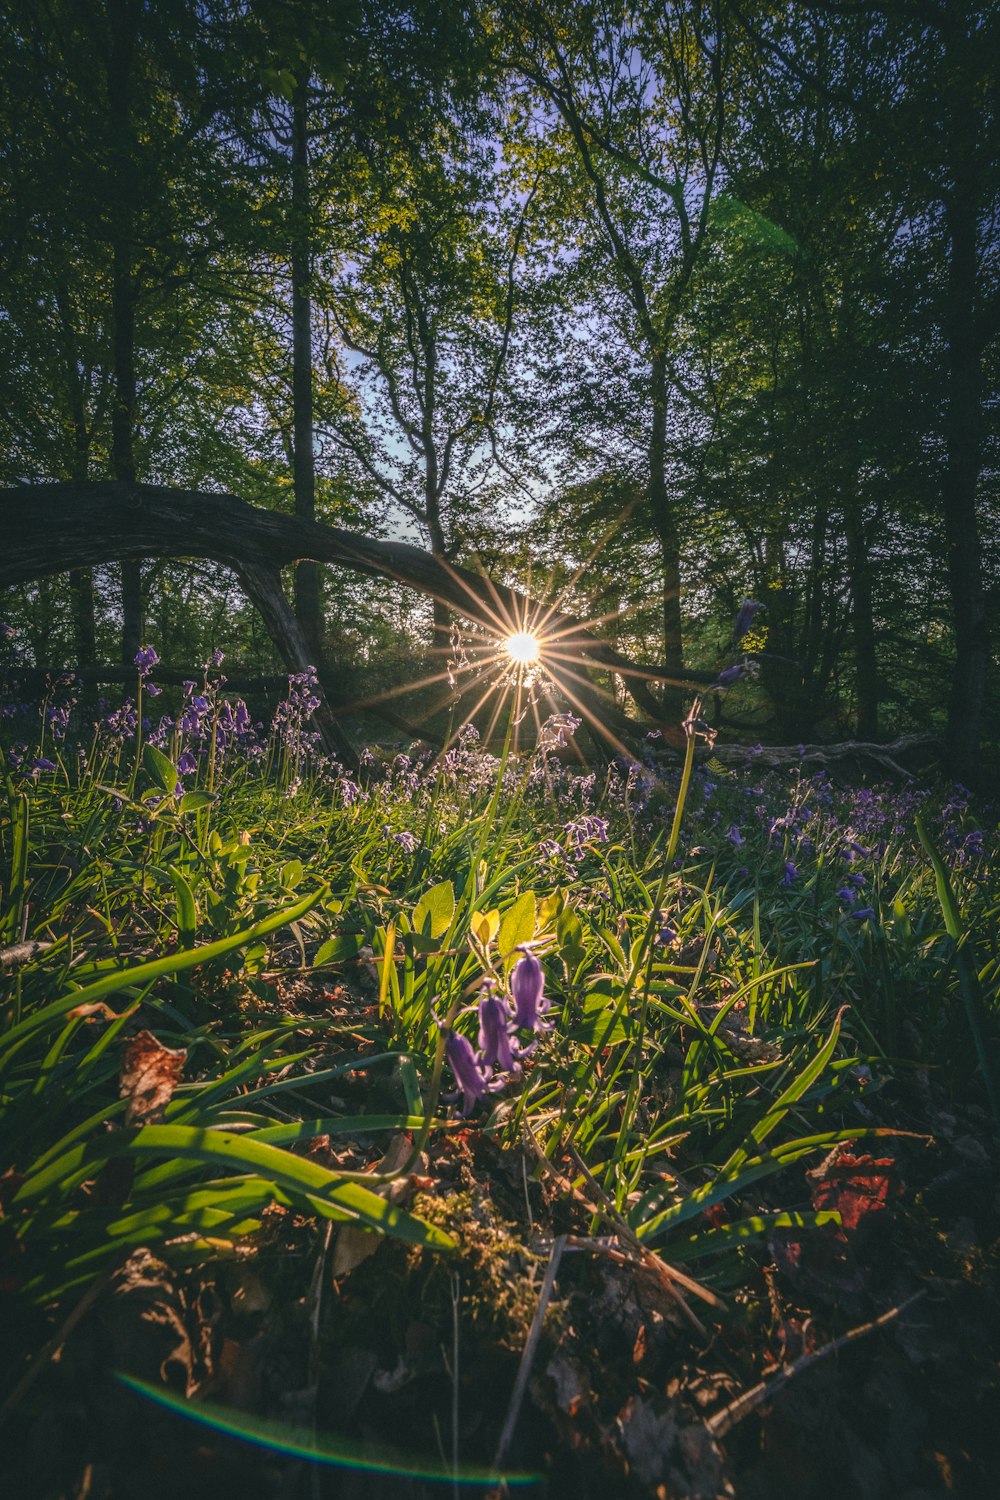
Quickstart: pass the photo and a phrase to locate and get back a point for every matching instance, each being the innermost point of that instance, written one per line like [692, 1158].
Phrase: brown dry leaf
[150, 1073]
[355, 1245]
[96, 1008]
[681, 1459]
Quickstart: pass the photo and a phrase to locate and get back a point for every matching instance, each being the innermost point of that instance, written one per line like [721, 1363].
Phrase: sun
[522, 647]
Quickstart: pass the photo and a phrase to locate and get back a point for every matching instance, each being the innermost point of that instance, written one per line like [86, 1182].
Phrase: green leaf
[731, 1236]
[339, 949]
[599, 1026]
[194, 802]
[328, 1192]
[433, 913]
[187, 911]
[291, 874]
[160, 767]
[157, 968]
[517, 925]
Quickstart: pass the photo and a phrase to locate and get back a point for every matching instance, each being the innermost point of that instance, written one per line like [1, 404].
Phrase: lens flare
[340, 1453]
[522, 648]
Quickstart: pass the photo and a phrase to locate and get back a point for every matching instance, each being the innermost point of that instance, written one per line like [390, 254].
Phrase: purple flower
[41, 764]
[406, 840]
[667, 935]
[187, 763]
[216, 658]
[586, 828]
[734, 836]
[527, 985]
[863, 913]
[791, 873]
[494, 1036]
[146, 659]
[557, 731]
[847, 894]
[472, 1080]
[745, 617]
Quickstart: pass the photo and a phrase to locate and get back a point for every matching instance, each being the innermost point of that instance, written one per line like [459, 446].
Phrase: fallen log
[52, 528]
[887, 756]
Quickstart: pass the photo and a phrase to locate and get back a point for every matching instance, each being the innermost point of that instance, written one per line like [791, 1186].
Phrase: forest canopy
[642, 310]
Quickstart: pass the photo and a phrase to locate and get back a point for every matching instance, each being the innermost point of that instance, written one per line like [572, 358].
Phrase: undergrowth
[695, 979]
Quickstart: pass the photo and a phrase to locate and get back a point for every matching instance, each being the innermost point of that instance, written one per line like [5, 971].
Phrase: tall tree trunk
[435, 528]
[262, 586]
[867, 687]
[120, 66]
[81, 580]
[665, 525]
[308, 581]
[964, 443]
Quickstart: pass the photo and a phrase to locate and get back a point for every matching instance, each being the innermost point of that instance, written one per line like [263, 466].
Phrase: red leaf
[854, 1186]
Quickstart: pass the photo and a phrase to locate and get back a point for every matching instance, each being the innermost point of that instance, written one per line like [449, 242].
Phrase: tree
[637, 98]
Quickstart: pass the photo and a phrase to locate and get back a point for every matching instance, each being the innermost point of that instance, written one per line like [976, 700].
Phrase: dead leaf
[150, 1073]
[854, 1186]
[354, 1244]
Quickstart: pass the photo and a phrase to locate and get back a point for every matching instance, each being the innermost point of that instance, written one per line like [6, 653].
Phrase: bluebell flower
[863, 913]
[495, 1045]
[146, 659]
[471, 1077]
[527, 985]
[791, 873]
[734, 836]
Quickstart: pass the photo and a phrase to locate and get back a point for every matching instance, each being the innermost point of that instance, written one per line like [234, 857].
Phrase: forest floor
[819, 1318]
[861, 1361]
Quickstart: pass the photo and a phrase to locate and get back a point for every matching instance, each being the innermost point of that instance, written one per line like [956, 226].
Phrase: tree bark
[964, 441]
[665, 525]
[262, 584]
[308, 582]
[867, 687]
[120, 67]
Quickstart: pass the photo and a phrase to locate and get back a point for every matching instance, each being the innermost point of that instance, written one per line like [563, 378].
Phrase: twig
[315, 1303]
[22, 953]
[669, 1277]
[662, 1269]
[726, 1419]
[528, 1355]
[456, 1299]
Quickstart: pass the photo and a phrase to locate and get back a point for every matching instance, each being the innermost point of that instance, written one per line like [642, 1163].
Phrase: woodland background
[651, 307]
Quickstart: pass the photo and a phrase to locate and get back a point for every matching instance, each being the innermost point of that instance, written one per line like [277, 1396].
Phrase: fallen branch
[52, 528]
[528, 1353]
[726, 1419]
[822, 755]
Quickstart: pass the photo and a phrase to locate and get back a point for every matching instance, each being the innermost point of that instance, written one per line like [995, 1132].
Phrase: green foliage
[688, 1069]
